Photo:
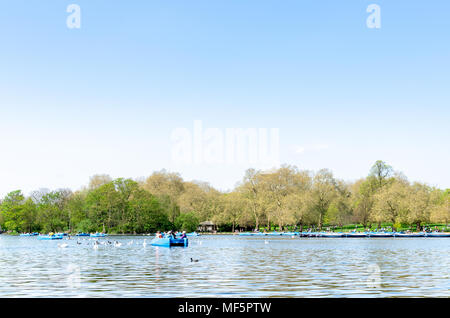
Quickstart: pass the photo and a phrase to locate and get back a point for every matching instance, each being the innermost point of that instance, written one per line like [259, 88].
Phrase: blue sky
[106, 98]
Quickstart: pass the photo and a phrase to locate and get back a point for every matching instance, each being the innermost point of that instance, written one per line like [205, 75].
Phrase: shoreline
[299, 234]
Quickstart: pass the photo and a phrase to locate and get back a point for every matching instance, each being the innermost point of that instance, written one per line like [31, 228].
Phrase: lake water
[228, 266]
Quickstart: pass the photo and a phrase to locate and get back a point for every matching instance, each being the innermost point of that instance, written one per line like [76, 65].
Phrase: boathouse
[207, 226]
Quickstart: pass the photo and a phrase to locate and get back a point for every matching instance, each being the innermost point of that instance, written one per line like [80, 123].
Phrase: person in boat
[183, 235]
[158, 234]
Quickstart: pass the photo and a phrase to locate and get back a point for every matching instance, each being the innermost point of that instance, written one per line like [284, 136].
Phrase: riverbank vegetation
[283, 199]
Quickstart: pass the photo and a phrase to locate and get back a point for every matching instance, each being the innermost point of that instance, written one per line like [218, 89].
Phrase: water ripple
[228, 267]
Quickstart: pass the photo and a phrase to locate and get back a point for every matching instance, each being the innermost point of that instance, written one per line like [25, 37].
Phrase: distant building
[207, 226]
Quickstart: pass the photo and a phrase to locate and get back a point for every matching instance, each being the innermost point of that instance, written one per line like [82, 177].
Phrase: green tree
[51, 213]
[322, 194]
[380, 174]
[187, 222]
[28, 219]
[362, 201]
[146, 214]
[11, 210]
[391, 204]
[418, 204]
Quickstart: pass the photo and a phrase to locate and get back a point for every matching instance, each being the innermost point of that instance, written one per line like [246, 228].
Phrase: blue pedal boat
[356, 234]
[380, 234]
[275, 233]
[83, 234]
[98, 235]
[288, 233]
[50, 237]
[246, 234]
[400, 234]
[330, 234]
[169, 241]
[438, 234]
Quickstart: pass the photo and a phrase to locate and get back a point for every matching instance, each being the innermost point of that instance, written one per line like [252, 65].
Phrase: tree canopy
[283, 197]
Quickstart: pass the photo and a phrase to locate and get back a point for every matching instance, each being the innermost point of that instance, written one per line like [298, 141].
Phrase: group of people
[171, 234]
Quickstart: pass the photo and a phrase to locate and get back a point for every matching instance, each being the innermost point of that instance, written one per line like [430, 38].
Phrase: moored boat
[289, 234]
[380, 234]
[83, 234]
[246, 234]
[401, 234]
[330, 234]
[311, 234]
[438, 234]
[355, 234]
[274, 233]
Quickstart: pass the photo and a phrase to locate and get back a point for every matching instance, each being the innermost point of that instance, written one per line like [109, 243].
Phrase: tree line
[281, 197]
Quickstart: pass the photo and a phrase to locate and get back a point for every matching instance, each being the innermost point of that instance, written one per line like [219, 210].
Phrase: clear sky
[107, 97]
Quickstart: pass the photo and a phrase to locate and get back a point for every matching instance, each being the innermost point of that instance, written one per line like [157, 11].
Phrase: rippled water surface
[228, 266]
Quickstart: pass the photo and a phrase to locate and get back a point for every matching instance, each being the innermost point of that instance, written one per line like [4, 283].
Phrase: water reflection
[228, 267]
